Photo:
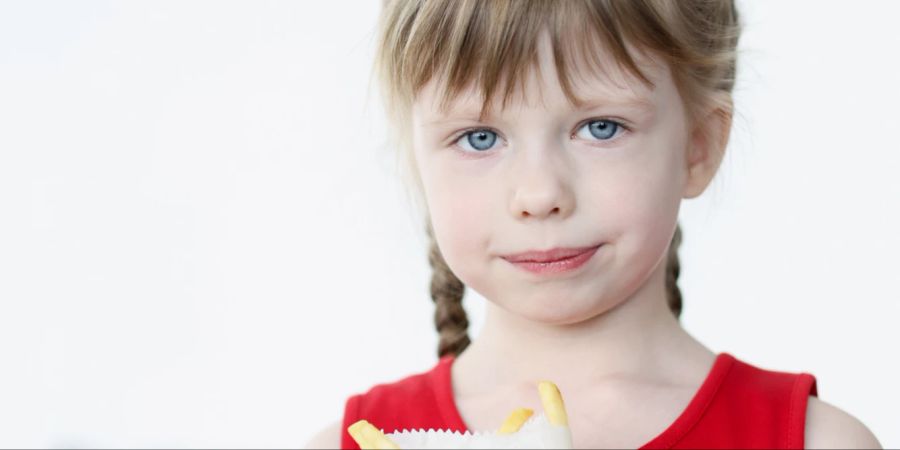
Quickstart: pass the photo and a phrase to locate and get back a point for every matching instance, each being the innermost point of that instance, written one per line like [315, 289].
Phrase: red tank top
[737, 406]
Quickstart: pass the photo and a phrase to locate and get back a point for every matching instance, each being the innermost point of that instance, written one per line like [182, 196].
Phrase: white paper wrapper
[536, 432]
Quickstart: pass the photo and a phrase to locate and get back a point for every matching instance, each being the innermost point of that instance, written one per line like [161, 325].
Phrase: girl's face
[539, 176]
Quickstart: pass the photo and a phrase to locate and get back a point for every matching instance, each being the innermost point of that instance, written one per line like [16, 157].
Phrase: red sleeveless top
[737, 406]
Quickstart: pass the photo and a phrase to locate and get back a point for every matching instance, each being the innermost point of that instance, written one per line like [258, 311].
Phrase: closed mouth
[548, 256]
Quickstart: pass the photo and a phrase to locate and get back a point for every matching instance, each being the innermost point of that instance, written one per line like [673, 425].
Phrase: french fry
[355, 431]
[553, 403]
[368, 437]
[515, 420]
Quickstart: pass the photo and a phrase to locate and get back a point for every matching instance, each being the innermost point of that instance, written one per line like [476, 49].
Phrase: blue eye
[603, 129]
[480, 140]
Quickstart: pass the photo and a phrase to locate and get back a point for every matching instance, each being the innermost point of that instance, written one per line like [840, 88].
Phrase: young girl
[557, 200]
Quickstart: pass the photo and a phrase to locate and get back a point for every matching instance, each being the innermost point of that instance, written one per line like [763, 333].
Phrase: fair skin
[544, 179]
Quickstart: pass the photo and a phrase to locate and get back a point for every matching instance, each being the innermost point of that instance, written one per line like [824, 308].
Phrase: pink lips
[555, 260]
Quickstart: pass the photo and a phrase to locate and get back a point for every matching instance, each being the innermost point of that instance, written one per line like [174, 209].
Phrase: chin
[553, 311]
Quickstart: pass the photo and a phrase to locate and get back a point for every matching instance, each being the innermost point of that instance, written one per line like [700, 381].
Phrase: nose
[542, 188]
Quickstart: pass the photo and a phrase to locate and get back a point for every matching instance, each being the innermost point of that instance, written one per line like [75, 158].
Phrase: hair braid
[447, 292]
[673, 268]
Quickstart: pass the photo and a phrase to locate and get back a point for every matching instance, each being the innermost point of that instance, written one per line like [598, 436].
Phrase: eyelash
[464, 133]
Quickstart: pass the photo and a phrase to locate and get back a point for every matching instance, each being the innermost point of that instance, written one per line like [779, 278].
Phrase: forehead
[599, 78]
[604, 82]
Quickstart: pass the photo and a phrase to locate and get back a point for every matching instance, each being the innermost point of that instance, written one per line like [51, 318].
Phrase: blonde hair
[491, 43]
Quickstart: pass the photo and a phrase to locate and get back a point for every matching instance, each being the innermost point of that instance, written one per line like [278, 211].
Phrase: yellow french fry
[515, 420]
[368, 437]
[553, 403]
[356, 433]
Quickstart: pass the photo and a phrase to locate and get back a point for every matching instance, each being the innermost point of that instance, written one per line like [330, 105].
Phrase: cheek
[459, 212]
[647, 196]
[640, 201]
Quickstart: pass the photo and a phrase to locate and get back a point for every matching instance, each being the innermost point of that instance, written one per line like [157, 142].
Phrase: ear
[706, 148]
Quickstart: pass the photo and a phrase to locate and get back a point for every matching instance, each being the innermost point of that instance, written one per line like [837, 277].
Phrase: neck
[639, 336]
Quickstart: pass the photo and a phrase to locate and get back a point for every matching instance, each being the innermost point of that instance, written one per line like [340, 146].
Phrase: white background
[202, 243]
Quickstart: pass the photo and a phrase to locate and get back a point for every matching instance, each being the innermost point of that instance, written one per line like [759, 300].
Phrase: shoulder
[830, 427]
[399, 403]
[328, 437]
[399, 392]
[393, 395]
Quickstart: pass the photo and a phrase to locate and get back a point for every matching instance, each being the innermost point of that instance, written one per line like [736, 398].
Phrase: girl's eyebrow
[453, 116]
[637, 102]
[470, 112]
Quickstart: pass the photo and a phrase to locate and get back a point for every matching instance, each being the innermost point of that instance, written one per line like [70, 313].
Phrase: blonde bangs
[492, 44]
